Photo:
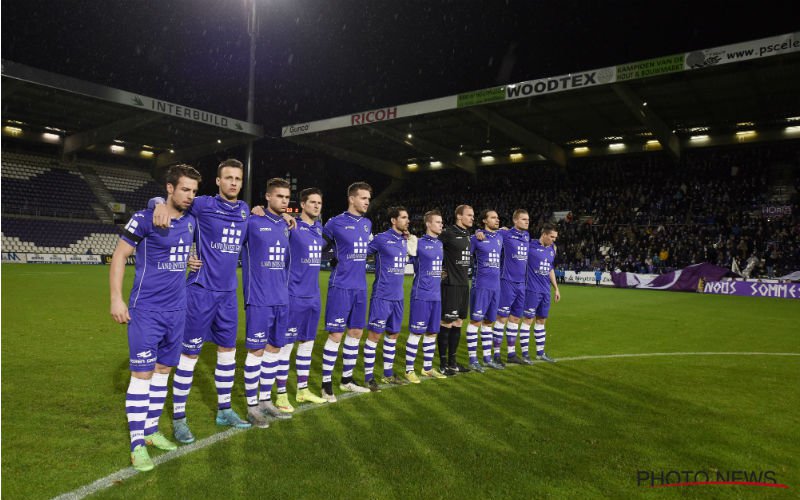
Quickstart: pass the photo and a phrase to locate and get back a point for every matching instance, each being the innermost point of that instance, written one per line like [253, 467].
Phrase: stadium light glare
[12, 131]
[412, 166]
[794, 129]
[653, 142]
[460, 153]
[409, 136]
[581, 149]
[487, 159]
[436, 164]
[745, 124]
[746, 133]
[147, 154]
[172, 151]
[50, 137]
[793, 119]
[219, 141]
[698, 138]
[117, 149]
[516, 156]
[616, 146]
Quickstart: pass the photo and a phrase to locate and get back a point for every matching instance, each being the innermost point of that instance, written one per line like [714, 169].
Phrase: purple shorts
[483, 304]
[424, 316]
[303, 318]
[385, 315]
[266, 325]
[210, 316]
[512, 299]
[154, 336]
[345, 308]
[537, 304]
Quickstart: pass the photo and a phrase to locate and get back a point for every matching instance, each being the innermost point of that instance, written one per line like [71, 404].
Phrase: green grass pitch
[577, 429]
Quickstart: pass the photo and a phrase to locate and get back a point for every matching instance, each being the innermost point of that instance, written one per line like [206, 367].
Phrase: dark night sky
[322, 58]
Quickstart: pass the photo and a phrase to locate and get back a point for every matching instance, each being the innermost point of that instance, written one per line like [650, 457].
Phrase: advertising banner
[15, 258]
[59, 258]
[587, 278]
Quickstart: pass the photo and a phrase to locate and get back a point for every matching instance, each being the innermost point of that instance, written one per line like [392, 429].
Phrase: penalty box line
[129, 472]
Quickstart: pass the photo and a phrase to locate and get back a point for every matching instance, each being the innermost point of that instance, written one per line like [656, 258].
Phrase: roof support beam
[427, 147]
[669, 141]
[382, 166]
[106, 133]
[531, 140]
[194, 152]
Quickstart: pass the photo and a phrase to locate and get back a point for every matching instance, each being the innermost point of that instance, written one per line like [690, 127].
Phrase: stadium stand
[639, 213]
[47, 205]
[53, 236]
[31, 184]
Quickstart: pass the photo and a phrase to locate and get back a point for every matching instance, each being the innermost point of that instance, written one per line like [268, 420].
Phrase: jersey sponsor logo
[177, 258]
[493, 259]
[398, 265]
[350, 227]
[276, 257]
[359, 250]
[436, 268]
[230, 240]
[263, 229]
[314, 257]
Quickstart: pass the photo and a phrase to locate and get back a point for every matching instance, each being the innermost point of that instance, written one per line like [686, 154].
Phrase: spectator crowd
[638, 213]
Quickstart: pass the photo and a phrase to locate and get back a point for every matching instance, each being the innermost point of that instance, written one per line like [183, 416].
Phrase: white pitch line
[129, 472]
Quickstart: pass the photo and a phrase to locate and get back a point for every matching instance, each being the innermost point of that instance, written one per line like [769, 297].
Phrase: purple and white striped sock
[329, 356]
[472, 343]
[369, 359]
[412, 345]
[428, 350]
[524, 337]
[349, 356]
[283, 367]
[539, 335]
[486, 342]
[269, 367]
[302, 363]
[158, 395]
[182, 385]
[497, 338]
[512, 329]
[137, 402]
[252, 370]
[223, 377]
[389, 345]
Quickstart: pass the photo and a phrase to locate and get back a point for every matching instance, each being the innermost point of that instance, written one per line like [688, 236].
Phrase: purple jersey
[350, 235]
[540, 262]
[390, 249]
[265, 274]
[515, 254]
[221, 227]
[427, 269]
[161, 255]
[305, 250]
[486, 273]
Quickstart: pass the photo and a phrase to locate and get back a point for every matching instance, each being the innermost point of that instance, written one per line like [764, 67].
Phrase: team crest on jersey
[190, 227]
[366, 229]
[318, 231]
[244, 215]
[286, 232]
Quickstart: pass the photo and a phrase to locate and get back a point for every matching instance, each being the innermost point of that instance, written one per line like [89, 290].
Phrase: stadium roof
[723, 95]
[80, 116]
